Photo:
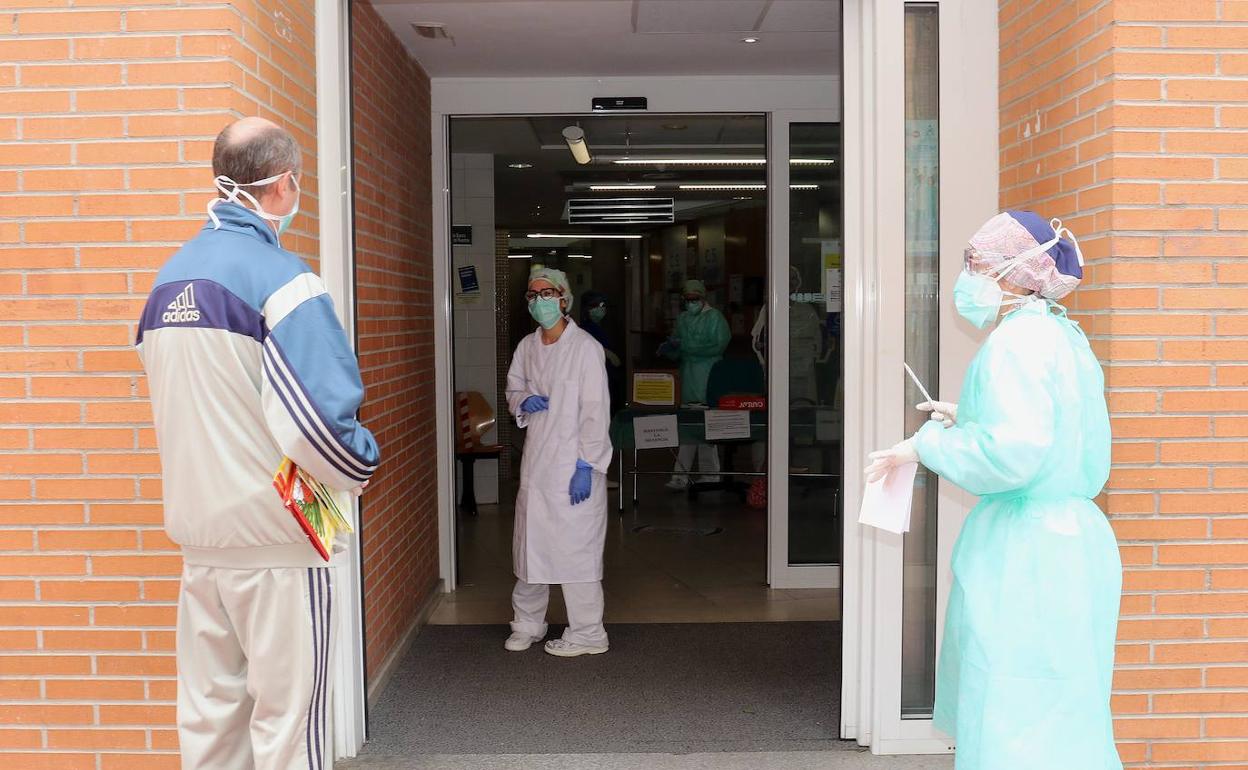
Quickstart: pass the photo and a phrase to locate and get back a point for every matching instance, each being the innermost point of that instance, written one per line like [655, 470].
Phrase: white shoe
[519, 642]
[565, 649]
[678, 484]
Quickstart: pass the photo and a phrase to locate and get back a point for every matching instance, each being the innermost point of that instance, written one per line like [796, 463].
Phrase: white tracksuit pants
[708, 463]
[254, 647]
[584, 602]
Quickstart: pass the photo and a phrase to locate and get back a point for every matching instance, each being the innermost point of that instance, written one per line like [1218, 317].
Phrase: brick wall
[394, 276]
[107, 116]
[1130, 118]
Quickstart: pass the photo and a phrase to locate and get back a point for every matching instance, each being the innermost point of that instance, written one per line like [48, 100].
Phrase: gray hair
[258, 154]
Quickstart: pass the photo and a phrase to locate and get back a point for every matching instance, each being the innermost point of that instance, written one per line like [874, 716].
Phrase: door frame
[493, 97]
[875, 302]
[871, 563]
[349, 707]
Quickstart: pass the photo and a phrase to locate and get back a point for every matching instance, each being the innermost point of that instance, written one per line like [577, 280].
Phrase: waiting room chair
[475, 419]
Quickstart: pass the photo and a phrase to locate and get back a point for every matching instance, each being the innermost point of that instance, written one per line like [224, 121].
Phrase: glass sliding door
[803, 332]
[816, 402]
[922, 348]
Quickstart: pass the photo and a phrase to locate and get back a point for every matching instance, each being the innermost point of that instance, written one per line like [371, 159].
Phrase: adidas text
[182, 309]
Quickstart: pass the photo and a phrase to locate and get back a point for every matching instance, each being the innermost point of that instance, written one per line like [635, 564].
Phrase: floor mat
[664, 688]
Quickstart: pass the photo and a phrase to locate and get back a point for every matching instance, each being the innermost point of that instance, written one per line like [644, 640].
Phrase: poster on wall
[461, 235]
[469, 292]
[833, 291]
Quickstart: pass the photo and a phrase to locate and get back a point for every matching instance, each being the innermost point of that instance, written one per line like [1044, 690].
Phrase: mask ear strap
[1059, 228]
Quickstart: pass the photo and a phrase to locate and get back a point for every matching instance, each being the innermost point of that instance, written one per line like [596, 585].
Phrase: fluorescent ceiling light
[723, 186]
[519, 165]
[749, 40]
[586, 236]
[580, 256]
[691, 161]
[605, 187]
[519, 256]
[730, 187]
[575, 137]
[718, 161]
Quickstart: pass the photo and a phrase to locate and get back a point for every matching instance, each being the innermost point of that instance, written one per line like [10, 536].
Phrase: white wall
[472, 203]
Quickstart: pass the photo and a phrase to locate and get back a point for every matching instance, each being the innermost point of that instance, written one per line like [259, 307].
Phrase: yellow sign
[654, 388]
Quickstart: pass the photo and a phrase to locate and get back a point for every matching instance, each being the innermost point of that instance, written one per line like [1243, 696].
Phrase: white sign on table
[656, 431]
[727, 424]
[886, 503]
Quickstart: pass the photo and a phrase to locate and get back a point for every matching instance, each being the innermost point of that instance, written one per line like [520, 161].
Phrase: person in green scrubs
[1023, 681]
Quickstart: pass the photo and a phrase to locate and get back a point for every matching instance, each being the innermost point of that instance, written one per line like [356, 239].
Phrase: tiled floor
[668, 573]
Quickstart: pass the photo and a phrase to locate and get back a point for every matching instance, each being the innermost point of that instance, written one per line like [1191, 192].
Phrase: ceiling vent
[432, 30]
[619, 211]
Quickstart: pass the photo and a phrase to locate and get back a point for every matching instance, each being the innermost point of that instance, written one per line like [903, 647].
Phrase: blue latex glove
[534, 404]
[582, 482]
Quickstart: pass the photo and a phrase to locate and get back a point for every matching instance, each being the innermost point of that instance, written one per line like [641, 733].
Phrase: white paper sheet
[886, 503]
[727, 424]
[656, 431]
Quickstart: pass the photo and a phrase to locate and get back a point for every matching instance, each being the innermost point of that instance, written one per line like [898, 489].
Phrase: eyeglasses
[531, 296]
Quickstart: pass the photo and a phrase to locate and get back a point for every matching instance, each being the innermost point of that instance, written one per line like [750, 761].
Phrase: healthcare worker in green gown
[701, 336]
[1023, 681]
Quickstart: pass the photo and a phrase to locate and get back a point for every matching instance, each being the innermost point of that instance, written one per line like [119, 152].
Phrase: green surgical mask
[693, 305]
[546, 312]
[596, 314]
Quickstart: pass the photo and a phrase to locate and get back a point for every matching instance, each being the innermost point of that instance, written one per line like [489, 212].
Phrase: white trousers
[253, 650]
[708, 462]
[584, 603]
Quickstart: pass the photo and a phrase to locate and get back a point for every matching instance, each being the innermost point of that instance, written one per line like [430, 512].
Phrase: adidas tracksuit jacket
[247, 362]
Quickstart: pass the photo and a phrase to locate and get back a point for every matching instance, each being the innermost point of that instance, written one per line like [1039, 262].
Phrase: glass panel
[918, 653]
[816, 404]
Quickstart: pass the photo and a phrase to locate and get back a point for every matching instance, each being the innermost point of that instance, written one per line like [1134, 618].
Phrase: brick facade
[1129, 118]
[107, 116]
[395, 305]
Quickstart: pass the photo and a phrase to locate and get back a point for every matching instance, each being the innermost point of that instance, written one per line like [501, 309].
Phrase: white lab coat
[555, 541]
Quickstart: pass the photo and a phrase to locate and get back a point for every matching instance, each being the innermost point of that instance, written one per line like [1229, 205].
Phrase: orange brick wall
[107, 116]
[394, 264]
[1130, 118]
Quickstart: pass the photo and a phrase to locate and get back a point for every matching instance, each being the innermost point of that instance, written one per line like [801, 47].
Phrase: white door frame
[874, 336]
[333, 159]
[873, 149]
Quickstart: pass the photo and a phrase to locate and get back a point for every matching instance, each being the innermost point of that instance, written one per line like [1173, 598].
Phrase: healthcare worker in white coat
[557, 391]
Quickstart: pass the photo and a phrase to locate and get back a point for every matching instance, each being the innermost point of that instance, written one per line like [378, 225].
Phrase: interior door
[921, 165]
[803, 331]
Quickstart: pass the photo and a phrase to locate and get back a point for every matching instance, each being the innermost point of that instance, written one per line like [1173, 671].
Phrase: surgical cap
[694, 286]
[1052, 273]
[556, 278]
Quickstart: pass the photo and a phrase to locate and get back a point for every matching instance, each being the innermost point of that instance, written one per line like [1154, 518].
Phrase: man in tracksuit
[247, 363]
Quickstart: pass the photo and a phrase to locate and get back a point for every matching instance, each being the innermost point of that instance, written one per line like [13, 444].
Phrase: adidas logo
[182, 309]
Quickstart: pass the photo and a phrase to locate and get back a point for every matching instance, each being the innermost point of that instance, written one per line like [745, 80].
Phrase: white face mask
[232, 191]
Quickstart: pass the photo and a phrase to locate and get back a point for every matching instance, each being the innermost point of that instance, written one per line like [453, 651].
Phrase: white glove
[883, 461]
[945, 412]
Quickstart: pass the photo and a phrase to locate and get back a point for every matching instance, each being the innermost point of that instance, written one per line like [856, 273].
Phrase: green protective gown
[1023, 681]
[703, 335]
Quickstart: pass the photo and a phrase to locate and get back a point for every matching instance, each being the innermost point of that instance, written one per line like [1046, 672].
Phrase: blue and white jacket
[247, 362]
